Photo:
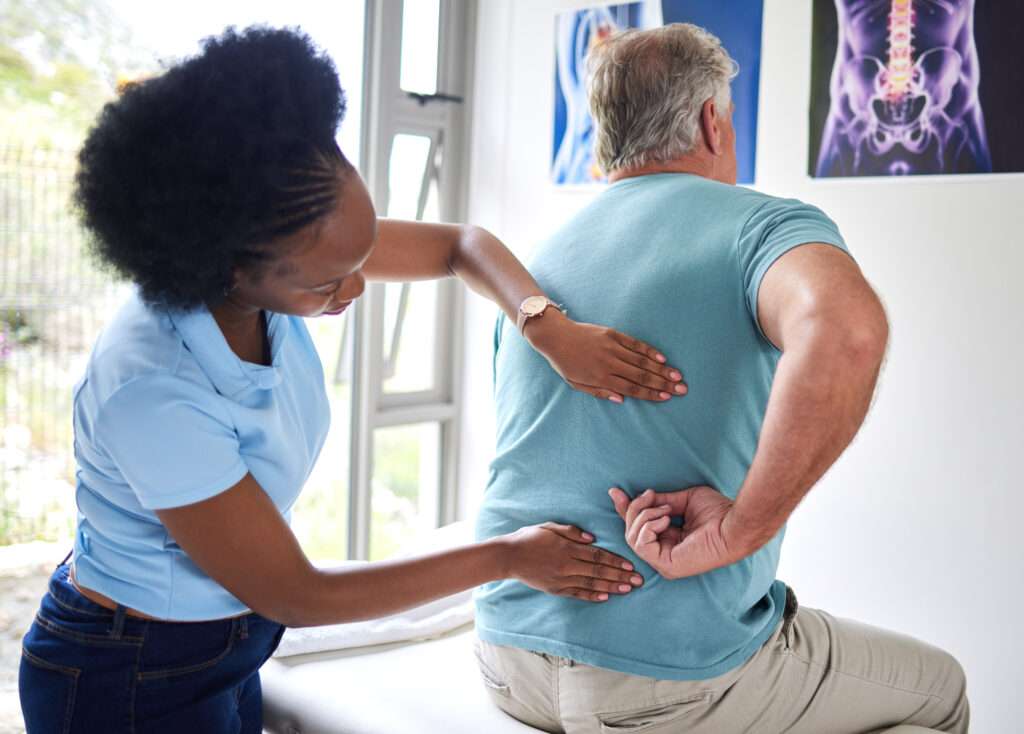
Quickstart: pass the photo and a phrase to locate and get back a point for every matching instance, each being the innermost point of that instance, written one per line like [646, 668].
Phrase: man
[782, 340]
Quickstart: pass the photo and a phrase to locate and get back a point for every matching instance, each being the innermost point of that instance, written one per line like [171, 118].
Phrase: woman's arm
[593, 359]
[408, 251]
[241, 541]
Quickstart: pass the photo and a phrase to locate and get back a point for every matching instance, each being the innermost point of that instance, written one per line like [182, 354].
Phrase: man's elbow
[855, 336]
[866, 336]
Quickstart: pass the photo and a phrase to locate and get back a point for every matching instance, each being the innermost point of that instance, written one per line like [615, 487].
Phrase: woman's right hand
[561, 560]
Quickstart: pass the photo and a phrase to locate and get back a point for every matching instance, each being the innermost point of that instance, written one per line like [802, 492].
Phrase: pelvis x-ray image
[905, 87]
[737, 23]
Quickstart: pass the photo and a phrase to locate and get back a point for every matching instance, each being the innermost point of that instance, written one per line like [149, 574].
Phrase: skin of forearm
[490, 269]
[820, 395]
[335, 596]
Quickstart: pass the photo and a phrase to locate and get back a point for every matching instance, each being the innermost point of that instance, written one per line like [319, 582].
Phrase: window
[406, 423]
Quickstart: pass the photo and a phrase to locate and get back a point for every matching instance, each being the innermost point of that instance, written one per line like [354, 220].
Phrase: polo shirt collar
[229, 374]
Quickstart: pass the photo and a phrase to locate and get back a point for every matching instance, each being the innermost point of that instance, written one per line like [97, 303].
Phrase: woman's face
[321, 274]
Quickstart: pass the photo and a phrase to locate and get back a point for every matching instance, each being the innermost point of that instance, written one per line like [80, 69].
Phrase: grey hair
[646, 90]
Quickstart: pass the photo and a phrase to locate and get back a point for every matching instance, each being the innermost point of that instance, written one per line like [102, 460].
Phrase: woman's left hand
[602, 361]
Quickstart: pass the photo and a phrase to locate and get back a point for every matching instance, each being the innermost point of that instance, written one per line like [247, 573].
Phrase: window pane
[406, 486]
[410, 326]
[420, 23]
[410, 309]
[320, 516]
[405, 175]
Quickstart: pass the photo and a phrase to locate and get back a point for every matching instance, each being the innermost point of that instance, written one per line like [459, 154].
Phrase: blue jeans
[89, 669]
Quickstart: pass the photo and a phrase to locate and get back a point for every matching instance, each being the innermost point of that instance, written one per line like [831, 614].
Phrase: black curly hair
[199, 171]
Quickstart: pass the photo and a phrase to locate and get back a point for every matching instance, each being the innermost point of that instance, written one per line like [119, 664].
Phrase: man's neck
[692, 164]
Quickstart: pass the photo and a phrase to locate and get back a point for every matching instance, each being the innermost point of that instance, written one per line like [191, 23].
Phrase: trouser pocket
[73, 679]
[492, 679]
[662, 717]
[47, 693]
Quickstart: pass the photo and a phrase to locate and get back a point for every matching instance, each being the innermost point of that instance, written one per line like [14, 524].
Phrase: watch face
[534, 305]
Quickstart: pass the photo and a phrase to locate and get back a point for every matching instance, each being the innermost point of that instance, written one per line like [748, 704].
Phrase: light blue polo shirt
[167, 415]
[675, 260]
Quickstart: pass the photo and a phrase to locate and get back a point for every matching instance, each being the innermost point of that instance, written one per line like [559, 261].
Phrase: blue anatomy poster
[736, 22]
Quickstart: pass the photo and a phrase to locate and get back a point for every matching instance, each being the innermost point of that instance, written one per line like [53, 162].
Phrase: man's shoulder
[751, 200]
[698, 192]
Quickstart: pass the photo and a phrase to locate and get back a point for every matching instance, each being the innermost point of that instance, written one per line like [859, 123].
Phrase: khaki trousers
[816, 674]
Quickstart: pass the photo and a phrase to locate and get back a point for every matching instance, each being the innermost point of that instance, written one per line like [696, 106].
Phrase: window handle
[440, 97]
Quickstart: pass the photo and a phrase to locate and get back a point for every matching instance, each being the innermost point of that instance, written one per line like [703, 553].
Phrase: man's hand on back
[699, 545]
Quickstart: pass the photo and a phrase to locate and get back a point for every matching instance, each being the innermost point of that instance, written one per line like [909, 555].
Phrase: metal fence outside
[53, 303]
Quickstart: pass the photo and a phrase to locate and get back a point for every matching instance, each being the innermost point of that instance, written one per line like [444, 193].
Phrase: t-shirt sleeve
[775, 228]
[171, 440]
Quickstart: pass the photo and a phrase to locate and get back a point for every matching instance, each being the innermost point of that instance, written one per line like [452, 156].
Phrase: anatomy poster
[737, 24]
[906, 87]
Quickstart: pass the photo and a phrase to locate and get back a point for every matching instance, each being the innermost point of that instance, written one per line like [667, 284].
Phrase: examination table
[430, 687]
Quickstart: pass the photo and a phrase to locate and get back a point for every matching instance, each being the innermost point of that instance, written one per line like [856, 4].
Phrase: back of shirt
[675, 260]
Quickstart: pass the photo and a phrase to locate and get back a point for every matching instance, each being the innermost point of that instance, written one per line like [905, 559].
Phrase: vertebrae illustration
[906, 101]
[901, 49]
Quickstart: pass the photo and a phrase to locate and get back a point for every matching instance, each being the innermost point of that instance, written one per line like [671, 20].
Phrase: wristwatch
[533, 307]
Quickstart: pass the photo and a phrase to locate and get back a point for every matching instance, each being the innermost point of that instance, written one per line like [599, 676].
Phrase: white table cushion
[404, 688]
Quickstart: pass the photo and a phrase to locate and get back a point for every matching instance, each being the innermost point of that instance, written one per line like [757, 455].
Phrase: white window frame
[388, 111]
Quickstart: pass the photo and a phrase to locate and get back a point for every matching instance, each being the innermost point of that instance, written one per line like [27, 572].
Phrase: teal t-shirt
[675, 260]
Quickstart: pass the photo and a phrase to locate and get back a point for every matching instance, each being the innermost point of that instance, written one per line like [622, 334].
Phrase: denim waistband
[62, 590]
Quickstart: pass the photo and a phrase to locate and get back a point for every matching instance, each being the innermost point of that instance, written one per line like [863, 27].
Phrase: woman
[218, 188]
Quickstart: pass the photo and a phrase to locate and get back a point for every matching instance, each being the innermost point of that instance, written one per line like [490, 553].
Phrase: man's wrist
[744, 535]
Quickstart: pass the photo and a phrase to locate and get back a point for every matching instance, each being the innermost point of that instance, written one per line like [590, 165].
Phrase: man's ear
[710, 119]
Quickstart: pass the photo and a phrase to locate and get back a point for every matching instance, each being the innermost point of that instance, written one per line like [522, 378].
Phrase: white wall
[918, 527]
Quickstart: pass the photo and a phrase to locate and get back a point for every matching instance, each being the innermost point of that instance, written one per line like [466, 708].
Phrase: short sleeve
[775, 228]
[171, 440]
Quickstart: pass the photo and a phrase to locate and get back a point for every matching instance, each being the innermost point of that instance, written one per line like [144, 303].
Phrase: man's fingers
[621, 501]
[641, 503]
[645, 517]
[650, 530]
[677, 500]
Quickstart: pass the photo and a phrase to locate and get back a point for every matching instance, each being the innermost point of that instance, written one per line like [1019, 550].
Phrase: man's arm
[816, 306]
